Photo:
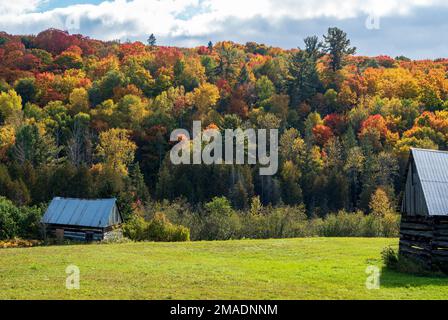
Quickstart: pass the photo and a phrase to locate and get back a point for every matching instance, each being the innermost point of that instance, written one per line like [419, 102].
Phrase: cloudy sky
[415, 28]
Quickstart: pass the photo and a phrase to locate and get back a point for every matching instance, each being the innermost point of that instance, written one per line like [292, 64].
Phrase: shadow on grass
[396, 279]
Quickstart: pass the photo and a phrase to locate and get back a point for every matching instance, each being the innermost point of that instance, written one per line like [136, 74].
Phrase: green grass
[315, 268]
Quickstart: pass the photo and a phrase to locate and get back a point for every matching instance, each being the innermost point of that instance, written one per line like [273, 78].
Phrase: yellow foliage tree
[116, 150]
[205, 97]
[79, 101]
[7, 139]
[10, 107]
[380, 205]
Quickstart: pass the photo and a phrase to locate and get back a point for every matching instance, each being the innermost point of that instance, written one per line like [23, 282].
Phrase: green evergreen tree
[337, 45]
[137, 183]
[152, 40]
[303, 80]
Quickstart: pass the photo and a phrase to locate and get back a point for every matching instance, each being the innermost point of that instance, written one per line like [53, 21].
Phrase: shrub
[372, 226]
[180, 233]
[135, 228]
[161, 229]
[219, 227]
[178, 212]
[221, 222]
[279, 222]
[19, 222]
[157, 229]
[343, 224]
[19, 243]
[253, 226]
[390, 258]
[9, 216]
[29, 222]
[393, 261]
[217, 220]
[391, 225]
[287, 222]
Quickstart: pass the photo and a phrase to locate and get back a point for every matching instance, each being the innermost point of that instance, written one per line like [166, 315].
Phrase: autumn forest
[90, 119]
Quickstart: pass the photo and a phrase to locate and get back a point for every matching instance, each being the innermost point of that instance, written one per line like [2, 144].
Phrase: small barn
[82, 220]
[424, 224]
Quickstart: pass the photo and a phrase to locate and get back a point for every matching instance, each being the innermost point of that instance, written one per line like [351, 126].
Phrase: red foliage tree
[336, 122]
[167, 56]
[385, 61]
[377, 123]
[322, 134]
[132, 49]
[56, 41]
[224, 87]
[203, 50]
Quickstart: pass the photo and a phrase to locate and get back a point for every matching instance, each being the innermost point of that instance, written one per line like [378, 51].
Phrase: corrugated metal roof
[432, 169]
[99, 213]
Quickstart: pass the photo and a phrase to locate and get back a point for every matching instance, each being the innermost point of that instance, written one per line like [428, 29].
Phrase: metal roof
[99, 213]
[432, 169]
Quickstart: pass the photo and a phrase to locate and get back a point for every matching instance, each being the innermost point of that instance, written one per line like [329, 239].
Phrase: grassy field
[317, 268]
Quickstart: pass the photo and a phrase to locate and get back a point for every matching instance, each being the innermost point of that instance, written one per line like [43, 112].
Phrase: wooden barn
[82, 220]
[424, 224]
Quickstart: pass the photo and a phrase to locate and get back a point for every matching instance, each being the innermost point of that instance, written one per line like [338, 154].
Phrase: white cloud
[190, 19]
[221, 10]
[19, 6]
[162, 17]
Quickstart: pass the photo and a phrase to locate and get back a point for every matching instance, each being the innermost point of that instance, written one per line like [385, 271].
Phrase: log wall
[425, 239]
[61, 232]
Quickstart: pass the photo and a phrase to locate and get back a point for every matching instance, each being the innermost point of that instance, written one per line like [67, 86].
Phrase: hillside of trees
[91, 119]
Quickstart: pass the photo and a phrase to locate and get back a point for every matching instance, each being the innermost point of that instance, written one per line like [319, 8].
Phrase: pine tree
[304, 82]
[238, 196]
[137, 183]
[152, 40]
[337, 46]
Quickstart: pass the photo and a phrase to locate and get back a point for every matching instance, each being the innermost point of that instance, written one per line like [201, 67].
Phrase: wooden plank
[441, 233]
[440, 253]
[417, 242]
[417, 219]
[423, 260]
[424, 234]
[414, 248]
[443, 261]
[438, 243]
[415, 239]
[414, 251]
[415, 226]
[420, 244]
[438, 237]
[441, 220]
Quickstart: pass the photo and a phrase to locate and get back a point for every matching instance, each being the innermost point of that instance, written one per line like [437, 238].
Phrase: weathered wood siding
[414, 203]
[425, 239]
[83, 233]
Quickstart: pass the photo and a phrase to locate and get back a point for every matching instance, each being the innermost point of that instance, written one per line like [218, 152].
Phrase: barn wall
[414, 203]
[80, 233]
[74, 233]
[425, 240]
[115, 217]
